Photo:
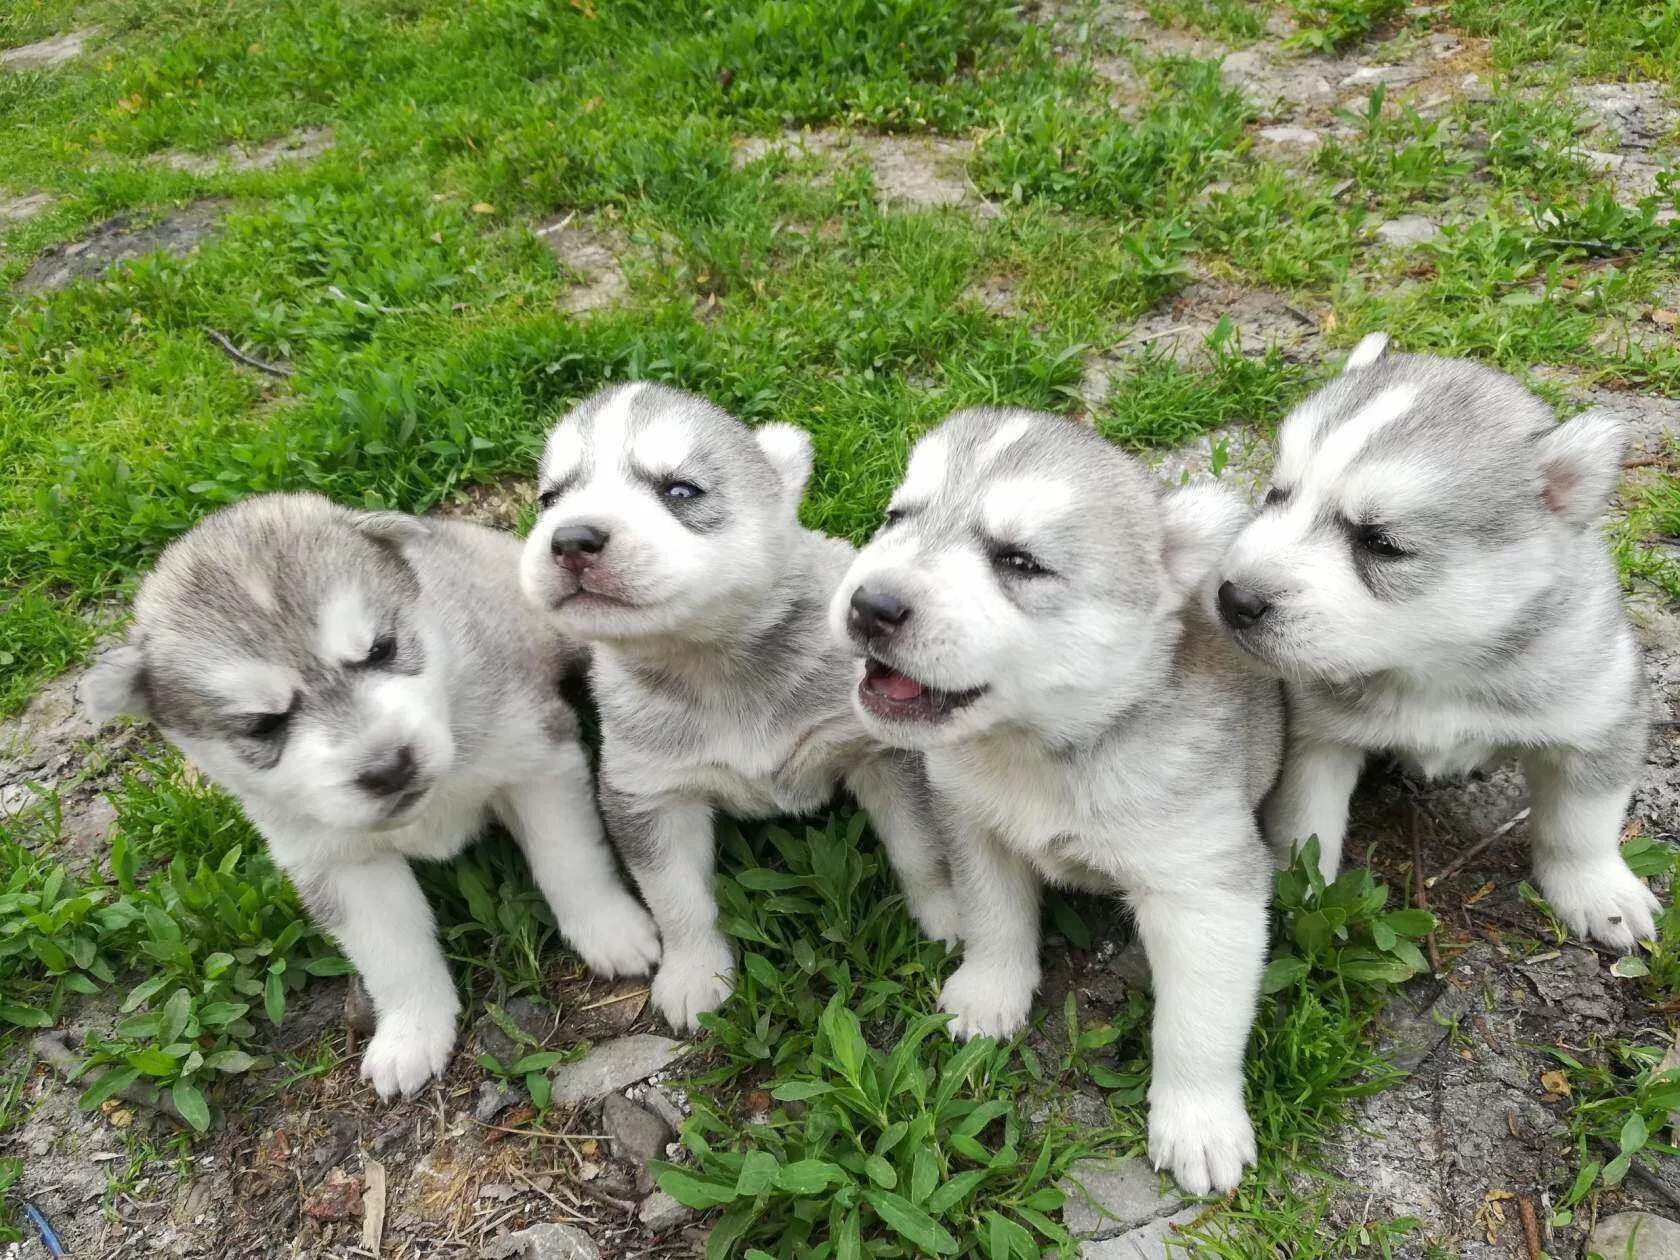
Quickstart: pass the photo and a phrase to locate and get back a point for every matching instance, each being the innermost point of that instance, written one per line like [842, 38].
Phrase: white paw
[1603, 900]
[935, 912]
[988, 1001]
[1203, 1140]
[692, 983]
[617, 939]
[408, 1049]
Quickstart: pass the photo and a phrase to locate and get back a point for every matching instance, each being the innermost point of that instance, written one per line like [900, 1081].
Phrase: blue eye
[681, 490]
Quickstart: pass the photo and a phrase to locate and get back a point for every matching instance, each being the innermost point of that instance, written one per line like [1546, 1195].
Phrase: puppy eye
[547, 499]
[1021, 563]
[681, 490]
[1372, 538]
[268, 725]
[383, 649]
[1276, 495]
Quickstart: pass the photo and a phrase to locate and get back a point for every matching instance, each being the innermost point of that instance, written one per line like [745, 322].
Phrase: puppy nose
[1240, 606]
[875, 615]
[390, 776]
[577, 545]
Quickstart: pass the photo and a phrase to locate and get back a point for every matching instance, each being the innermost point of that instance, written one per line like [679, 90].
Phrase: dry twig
[65, 1061]
[1476, 850]
[251, 361]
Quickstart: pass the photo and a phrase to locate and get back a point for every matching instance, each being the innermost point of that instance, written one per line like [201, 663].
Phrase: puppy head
[1025, 577]
[1419, 514]
[661, 514]
[284, 645]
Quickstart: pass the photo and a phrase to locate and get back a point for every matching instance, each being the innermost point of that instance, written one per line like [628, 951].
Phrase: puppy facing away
[669, 539]
[1027, 617]
[1428, 576]
[372, 688]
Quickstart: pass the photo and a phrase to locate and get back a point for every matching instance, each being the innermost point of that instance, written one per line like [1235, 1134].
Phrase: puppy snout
[391, 774]
[1241, 607]
[577, 546]
[875, 615]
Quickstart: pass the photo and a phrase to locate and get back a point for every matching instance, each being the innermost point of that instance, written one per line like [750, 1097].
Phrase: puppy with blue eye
[1429, 578]
[669, 540]
[373, 689]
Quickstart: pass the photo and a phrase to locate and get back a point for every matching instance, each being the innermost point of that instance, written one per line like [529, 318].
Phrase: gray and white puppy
[1027, 616]
[1428, 576]
[670, 540]
[372, 688]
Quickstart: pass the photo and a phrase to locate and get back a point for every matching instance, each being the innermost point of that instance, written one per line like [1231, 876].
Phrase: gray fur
[292, 648]
[1086, 725]
[1498, 632]
[718, 685]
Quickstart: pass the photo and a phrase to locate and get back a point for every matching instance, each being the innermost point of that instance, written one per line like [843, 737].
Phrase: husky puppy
[1026, 615]
[670, 540]
[373, 689]
[1428, 576]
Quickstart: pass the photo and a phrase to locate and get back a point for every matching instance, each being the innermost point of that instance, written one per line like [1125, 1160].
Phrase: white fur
[1371, 347]
[1348, 439]
[343, 630]
[1015, 507]
[928, 463]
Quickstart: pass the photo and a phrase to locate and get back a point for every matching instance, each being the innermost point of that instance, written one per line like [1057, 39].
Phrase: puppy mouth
[398, 811]
[890, 693]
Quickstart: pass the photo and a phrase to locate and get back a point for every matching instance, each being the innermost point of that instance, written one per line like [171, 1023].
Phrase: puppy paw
[692, 983]
[988, 1001]
[935, 912]
[618, 939]
[1604, 900]
[408, 1049]
[1203, 1140]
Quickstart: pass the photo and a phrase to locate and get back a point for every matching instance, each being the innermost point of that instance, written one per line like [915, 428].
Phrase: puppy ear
[392, 529]
[115, 684]
[1370, 349]
[788, 448]
[1580, 464]
[1198, 525]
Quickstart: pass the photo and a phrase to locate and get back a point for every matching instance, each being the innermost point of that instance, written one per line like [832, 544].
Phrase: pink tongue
[898, 687]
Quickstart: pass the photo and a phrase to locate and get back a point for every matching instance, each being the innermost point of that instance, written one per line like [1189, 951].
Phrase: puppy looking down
[669, 538]
[1026, 616]
[372, 688]
[1428, 576]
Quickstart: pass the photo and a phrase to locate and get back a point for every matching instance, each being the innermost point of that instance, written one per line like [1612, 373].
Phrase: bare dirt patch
[1633, 125]
[24, 207]
[589, 255]
[1179, 329]
[121, 238]
[920, 172]
[47, 53]
[497, 504]
[297, 146]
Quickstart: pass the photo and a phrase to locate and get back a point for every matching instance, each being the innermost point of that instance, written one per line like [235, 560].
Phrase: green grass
[399, 276]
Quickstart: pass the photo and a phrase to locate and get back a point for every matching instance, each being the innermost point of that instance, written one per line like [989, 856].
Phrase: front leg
[1311, 799]
[379, 917]
[991, 992]
[1206, 946]
[1576, 821]
[667, 844]
[555, 823]
[895, 793]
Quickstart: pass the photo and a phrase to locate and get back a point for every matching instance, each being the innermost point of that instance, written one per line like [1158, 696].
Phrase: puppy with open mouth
[1428, 575]
[669, 539]
[373, 689]
[1027, 616]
